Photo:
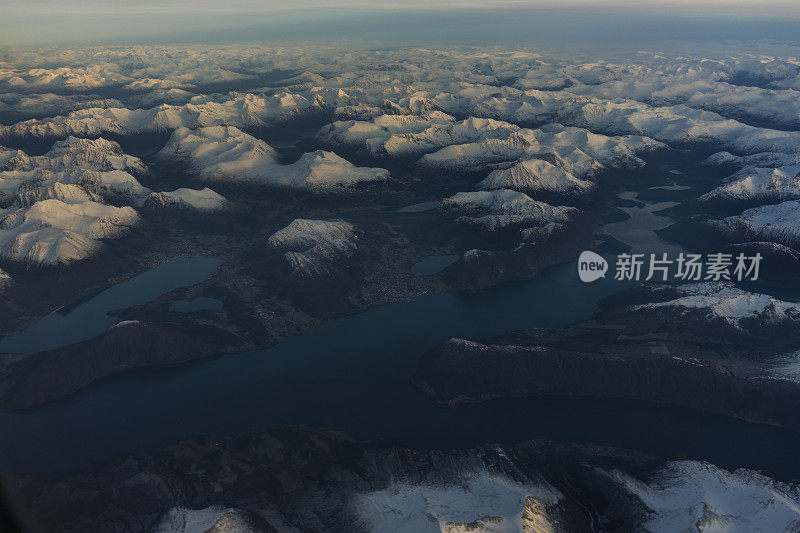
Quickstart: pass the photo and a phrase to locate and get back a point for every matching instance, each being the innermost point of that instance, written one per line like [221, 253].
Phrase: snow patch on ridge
[691, 495]
[762, 159]
[202, 200]
[760, 183]
[212, 519]
[497, 503]
[729, 303]
[780, 222]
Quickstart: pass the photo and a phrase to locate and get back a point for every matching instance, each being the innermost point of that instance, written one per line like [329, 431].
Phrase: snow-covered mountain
[729, 303]
[760, 183]
[213, 519]
[310, 245]
[72, 161]
[779, 223]
[536, 175]
[475, 142]
[374, 134]
[761, 159]
[114, 186]
[674, 99]
[483, 502]
[48, 104]
[47, 216]
[240, 110]
[499, 208]
[677, 124]
[152, 84]
[575, 150]
[227, 153]
[52, 231]
[678, 497]
[202, 200]
[53, 207]
[86, 154]
[702, 89]
[697, 496]
[305, 480]
[80, 78]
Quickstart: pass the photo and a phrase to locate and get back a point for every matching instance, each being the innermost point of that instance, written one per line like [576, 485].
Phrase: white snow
[116, 185]
[374, 134]
[71, 161]
[66, 192]
[785, 367]
[73, 153]
[475, 142]
[150, 84]
[702, 91]
[535, 175]
[671, 124]
[780, 222]
[52, 206]
[48, 104]
[227, 153]
[575, 150]
[241, 110]
[762, 159]
[186, 520]
[499, 208]
[52, 231]
[77, 77]
[201, 200]
[760, 183]
[310, 244]
[450, 507]
[322, 170]
[692, 496]
[671, 98]
[598, 114]
[98, 154]
[729, 303]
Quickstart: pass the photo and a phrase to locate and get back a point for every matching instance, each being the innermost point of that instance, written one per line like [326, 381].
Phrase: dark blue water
[639, 230]
[353, 374]
[91, 318]
[198, 304]
[433, 264]
[350, 373]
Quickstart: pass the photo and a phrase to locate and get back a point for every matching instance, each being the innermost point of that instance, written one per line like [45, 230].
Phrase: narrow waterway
[91, 318]
[353, 374]
[639, 230]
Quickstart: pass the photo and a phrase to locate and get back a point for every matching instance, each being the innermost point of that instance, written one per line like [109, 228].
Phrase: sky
[33, 23]
[194, 6]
